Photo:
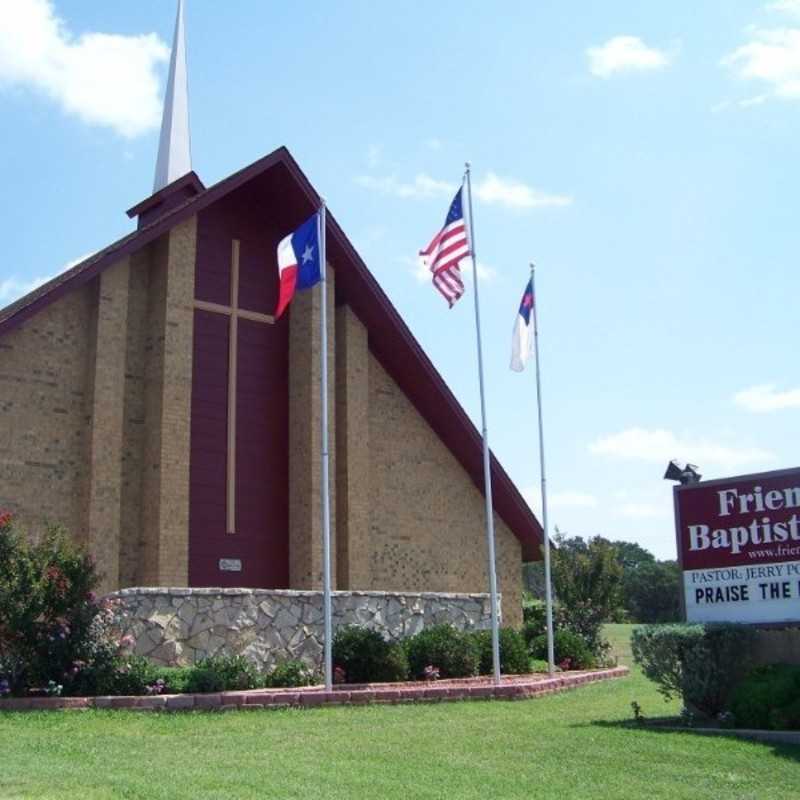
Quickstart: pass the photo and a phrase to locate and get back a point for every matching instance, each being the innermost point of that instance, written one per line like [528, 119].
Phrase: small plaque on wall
[230, 564]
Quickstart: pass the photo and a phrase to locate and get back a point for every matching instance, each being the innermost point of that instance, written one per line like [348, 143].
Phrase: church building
[152, 405]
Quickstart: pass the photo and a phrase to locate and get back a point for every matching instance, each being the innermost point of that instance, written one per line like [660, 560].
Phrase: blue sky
[644, 155]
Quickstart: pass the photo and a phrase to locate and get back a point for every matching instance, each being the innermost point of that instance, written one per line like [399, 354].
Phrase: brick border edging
[314, 696]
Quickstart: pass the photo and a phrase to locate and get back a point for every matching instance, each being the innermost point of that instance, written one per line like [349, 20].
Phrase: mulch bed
[511, 687]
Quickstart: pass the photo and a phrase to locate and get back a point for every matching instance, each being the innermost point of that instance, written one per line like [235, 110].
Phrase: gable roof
[390, 340]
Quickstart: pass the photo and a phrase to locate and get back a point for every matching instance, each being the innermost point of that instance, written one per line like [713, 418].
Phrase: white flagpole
[487, 471]
[548, 590]
[326, 510]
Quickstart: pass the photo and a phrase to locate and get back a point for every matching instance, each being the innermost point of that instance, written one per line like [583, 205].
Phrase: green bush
[570, 650]
[769, 697]
[534, 611]
[534, 618]
[133, 676]
[587, 579]
[539, 665]
[223, 673]
[174, 679]
[700, 663]
[366, 657]
[455, 653]
[514, 659]
[52, 628]
[291, 673]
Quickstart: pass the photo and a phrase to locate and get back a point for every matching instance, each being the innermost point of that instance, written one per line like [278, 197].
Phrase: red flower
[5, 519]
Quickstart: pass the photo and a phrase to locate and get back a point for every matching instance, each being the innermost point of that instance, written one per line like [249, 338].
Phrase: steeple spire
[174, 148]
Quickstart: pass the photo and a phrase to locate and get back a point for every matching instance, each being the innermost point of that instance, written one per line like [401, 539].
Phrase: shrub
[222, 673]
[534, 611]
[569, 649]
[135, 675]
[539, 665]
[292, 673]
[586, 622]
[700, 663]
[366, 657]
[455, 653]
[587, 579]
[534, 618]
[51, 626]
[514, 659]
[769, 697]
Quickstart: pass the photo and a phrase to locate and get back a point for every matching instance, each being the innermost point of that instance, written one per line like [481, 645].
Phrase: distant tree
[632, 555]
[651, 592]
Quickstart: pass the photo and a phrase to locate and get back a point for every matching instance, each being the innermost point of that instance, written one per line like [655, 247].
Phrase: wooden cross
[235, 314]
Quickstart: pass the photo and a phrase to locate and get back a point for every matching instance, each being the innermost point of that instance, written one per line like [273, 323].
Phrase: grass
[565, 746]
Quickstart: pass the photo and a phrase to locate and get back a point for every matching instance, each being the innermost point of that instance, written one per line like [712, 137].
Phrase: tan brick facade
[426, 530]
[94, 415]
[305, 479]
[95, 412]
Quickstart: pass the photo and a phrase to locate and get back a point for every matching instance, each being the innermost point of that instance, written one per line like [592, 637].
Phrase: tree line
[613, 580]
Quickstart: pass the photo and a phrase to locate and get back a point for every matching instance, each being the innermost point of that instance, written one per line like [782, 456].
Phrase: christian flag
[298, 261]
[521, 339]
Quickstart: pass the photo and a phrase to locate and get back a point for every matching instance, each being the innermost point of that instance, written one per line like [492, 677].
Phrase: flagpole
[487, 470]
[326, 510]
[548, 593]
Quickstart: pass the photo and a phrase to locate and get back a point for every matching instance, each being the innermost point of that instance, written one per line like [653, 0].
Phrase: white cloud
[492, 190]
[771, 56]
[766, 398]
[514, 194]
[486, 273]
[625, 54]
[434, 143]
[422, 186]
[644, 510]
[12, 289]
[659, 446]
[747, 102]
[791, 7]
[103, 79]
[568, 498]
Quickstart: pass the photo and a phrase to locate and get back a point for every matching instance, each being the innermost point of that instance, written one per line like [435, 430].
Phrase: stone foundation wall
[181, 626]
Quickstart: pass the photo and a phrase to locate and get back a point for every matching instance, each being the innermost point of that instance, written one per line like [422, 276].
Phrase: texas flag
[521, 338]
[298, 261]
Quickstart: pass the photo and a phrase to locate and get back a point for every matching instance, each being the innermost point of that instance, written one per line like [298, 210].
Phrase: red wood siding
[261, 540]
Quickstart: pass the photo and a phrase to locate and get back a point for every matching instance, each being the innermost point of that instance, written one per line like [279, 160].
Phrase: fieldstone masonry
[180, 626]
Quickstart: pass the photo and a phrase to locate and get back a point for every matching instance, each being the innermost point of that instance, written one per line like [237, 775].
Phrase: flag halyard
[445, 252]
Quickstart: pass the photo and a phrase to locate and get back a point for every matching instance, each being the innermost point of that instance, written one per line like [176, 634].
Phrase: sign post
[739, 548]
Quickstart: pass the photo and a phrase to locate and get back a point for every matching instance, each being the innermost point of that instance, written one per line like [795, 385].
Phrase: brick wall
[305, 519]
[426, 517]
[45, 390]
[94, 415]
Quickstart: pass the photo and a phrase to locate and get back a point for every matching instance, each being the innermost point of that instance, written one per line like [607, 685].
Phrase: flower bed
[511, 687]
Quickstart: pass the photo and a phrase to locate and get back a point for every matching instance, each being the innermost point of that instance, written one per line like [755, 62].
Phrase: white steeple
[174, 148]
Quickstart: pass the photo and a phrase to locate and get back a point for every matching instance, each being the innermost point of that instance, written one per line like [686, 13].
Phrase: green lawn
[564, 746]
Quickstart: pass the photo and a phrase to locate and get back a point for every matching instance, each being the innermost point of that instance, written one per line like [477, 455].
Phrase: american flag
[447, 248]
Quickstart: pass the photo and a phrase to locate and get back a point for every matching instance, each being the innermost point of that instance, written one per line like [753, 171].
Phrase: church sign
[739, 548]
